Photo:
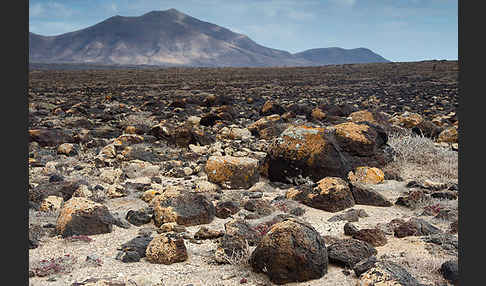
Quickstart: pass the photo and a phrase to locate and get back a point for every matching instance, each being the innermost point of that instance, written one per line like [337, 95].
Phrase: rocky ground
[336, 175]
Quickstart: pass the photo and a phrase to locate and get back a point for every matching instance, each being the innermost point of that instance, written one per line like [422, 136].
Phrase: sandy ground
[200, 269]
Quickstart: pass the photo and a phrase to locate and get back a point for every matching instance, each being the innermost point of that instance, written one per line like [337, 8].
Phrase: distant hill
[332, 56]
[172, 38]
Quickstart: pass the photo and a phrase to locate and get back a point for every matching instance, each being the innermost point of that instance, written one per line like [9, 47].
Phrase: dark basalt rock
[293, 251]
[348, 252]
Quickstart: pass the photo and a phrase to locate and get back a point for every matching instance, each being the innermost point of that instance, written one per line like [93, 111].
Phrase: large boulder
[305, 151]
[359, 139]
[331, 194]
[185, 208]
[318, 152]
[232, 172]
[292, 251]
[81, 216]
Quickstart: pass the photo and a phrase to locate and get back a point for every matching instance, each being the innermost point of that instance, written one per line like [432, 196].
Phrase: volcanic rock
[366, 195]
[166, 249]
[305, 151]
[366, 175]
[373, 236]
[292, 251]
[387, 273]
[232, 172]
[348, 252]
[332, 194]
[184, 208]
[80, 216]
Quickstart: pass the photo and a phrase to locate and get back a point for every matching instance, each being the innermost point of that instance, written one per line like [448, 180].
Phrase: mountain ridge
[166, 38]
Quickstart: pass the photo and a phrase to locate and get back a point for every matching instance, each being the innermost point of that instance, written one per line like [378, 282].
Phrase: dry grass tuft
[239, 258]
[417, 158]
[423, 266]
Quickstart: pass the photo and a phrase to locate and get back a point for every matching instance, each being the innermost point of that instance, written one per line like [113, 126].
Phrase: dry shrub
[423, 266]
[239, 258]
[417, 158]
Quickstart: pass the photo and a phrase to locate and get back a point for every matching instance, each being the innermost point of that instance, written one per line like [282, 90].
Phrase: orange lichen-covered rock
[362, 115]
[130, 129]
[332, 194]
[367, 175]
[128, 139]
[267, 127]
[303, 150]
[357, 139]
[81, 216]
[449, 135]
[317, 114]
[271, 107]
[232, 172]
[51, 203]
[407, 119]
[166, 249]
[66, 149]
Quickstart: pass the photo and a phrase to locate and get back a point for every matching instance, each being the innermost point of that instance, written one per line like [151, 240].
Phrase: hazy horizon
[400, 32]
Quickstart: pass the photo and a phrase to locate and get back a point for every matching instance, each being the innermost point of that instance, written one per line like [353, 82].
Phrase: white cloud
[49, 10]
[113, 7]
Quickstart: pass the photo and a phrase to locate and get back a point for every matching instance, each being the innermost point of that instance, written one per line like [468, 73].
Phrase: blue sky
[399, 30]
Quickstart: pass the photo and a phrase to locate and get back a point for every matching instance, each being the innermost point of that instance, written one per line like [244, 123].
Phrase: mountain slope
[159, 38]
[331, 56]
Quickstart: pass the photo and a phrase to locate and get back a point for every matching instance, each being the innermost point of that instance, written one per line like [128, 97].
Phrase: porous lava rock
[185, 208]
[292, 251]
[387, 273]
[367, 175]
[348, 252]
[331, 194]
[81, 216]
[232, 172]
[306, 151]
[166, 249]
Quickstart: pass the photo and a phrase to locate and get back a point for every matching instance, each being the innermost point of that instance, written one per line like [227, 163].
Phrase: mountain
[332, 56]
[166, 38]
